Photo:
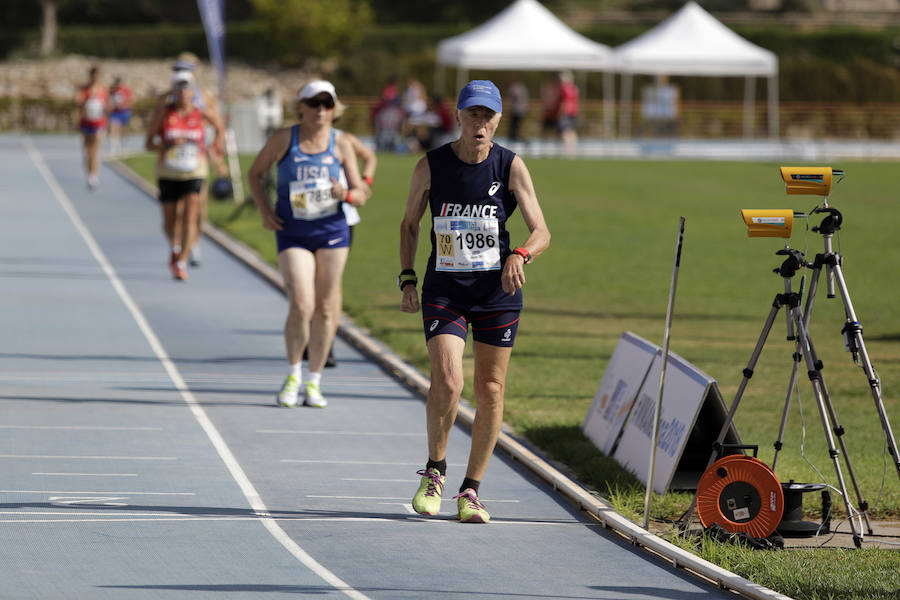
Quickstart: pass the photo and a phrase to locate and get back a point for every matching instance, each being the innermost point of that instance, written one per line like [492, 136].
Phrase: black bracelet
[403, 284]
[407, 276]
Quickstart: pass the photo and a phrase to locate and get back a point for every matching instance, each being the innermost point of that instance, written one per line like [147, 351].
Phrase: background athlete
[472, 187]
[317, 172]
[92, 99]
[178, 134]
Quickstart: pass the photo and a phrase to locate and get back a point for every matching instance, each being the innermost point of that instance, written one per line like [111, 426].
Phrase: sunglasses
[317, 102]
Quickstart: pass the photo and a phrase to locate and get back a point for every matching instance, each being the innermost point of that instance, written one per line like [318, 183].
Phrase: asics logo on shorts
[434, 325]
[507, 334]
[494, 187]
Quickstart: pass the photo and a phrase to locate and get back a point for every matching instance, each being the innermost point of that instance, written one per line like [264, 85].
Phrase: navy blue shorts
[495, 328]
[331, 239]
[120, 116]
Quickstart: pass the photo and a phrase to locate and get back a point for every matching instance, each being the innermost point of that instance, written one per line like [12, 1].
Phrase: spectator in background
[388, 122]
[550, 93]
[445, 123]
[269, 112]
[568, 112]
[120, 101]
[92, 100]
[415, 101]
[517, 99]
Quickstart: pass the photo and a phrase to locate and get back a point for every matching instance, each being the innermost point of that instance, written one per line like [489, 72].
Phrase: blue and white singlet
[470, 204]
[305, 202]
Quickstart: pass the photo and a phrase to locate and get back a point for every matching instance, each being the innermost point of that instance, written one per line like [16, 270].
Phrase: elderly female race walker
[474, 276]
[317, 172]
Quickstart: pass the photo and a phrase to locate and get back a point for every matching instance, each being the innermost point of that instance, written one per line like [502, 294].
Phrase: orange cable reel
[742, 495]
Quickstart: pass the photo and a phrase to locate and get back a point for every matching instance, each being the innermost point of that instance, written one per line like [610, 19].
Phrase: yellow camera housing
[814, 181]
[771, 222]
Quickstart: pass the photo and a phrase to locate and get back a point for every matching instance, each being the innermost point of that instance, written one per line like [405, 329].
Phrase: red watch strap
[525, 254]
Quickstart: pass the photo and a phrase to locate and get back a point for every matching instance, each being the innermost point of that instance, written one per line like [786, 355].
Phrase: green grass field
[607, 271]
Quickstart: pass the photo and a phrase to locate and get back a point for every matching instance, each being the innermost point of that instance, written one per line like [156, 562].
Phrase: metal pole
[662, 376]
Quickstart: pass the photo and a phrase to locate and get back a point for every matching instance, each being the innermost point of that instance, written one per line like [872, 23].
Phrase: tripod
[797, 325]
[852, 330]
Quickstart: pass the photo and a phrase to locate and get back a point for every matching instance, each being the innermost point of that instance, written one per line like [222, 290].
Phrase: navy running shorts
[495, 328]
[331, 239]
[172, 190]
[120, 116]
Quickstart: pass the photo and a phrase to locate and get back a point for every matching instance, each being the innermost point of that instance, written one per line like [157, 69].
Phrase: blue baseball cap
[480, 92]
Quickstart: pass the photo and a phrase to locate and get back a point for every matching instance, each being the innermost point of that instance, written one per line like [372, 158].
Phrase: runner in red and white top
[177, 134]
[92, 99]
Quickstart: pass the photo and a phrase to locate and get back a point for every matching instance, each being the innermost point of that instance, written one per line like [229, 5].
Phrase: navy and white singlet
[470, 204]
[305, 203]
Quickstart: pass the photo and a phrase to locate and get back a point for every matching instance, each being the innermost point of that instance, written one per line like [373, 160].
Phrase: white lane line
[361, 462]
[88, 474]
[149, 520]
[339, 432]
[81, 427]
[384, 499]
[446, 520]
[104, 493]
[231, 463]
[378, 480]
[88, 457]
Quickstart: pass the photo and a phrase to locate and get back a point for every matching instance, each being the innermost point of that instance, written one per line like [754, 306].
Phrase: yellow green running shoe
[289, 394]
[427, 500]
[470, 509]
[314, 397]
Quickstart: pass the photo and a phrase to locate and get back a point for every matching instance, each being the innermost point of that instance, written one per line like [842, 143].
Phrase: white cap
[314, 88]
[182, 78]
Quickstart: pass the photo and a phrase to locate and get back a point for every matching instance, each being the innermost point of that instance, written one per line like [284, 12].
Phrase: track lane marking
[86, 474]
[218, 442]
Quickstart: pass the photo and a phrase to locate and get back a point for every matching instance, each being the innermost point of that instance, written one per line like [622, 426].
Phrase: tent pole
[625, 119]
[749, 98]
[774, 124]
[609, 104]
[462, 78]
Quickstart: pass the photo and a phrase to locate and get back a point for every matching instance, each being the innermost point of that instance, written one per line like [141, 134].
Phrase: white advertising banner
[624, 376]
[620, 422]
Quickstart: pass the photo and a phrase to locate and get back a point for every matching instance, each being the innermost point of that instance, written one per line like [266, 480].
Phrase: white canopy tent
[524, 36]
[693, 42]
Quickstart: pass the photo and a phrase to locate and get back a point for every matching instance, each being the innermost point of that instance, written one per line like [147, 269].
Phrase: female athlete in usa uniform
[317, 172]
[474, 277]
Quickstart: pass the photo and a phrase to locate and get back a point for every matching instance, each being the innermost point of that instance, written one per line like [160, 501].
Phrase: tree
[317, 28]
[48, 27]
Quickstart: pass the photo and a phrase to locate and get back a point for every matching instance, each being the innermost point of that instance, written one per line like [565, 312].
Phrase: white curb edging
[591, 504]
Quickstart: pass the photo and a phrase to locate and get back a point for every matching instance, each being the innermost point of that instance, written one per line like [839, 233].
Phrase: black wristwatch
[406, 277]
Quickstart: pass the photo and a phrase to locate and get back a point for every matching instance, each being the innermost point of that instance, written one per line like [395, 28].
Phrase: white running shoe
[314, 397]
[290, 392]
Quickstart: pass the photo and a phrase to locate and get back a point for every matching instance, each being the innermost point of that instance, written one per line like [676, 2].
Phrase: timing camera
[768, 222]
[813, 181]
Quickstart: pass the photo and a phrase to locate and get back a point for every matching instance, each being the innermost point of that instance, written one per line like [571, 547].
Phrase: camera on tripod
[769, 222]
[810, 181]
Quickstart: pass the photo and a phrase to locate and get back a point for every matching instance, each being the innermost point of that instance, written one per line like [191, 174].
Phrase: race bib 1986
[467, 244]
